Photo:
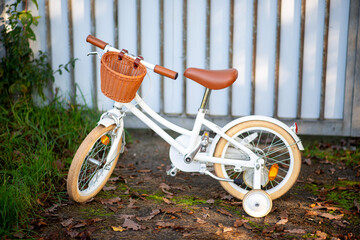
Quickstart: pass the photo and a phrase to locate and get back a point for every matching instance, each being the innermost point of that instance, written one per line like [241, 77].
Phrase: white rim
[101, 173]
[288, 174]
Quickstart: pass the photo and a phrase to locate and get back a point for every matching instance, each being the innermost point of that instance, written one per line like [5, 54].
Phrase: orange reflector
[273, 172]
[105, 140]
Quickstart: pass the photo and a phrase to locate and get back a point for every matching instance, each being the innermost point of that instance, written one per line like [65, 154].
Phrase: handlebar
[96, 42]
[156, 68]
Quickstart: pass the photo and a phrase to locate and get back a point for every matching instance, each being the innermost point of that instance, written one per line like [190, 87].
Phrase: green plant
[37, 146]
[21, 72]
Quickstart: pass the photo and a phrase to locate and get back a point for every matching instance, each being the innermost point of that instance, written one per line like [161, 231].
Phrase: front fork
[114, 116]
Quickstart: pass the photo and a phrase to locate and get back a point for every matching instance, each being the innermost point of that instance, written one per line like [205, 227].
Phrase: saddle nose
[212, 79]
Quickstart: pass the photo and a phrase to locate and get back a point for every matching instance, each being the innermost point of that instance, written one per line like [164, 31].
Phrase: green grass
[37, 146]
[339, 193]
[95, 212]
[333, 149]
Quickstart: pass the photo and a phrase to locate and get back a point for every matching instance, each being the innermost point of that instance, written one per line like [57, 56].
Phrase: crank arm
[237, 181]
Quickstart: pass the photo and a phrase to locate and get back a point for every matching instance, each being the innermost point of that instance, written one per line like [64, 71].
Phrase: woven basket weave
[120, 80]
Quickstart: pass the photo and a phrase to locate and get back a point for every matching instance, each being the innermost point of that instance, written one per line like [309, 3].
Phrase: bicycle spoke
[88, 171]
[257, 145]
[283, 170]
[278, 160]
[276, 144]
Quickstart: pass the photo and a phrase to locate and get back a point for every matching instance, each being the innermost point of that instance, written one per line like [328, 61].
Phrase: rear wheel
[270, 142]
[94, 162]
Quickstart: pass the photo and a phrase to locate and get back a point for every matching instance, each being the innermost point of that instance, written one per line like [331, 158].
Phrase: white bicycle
[255, 158]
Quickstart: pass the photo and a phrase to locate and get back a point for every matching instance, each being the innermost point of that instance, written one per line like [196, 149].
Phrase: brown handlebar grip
[95, 41]
[165, 72]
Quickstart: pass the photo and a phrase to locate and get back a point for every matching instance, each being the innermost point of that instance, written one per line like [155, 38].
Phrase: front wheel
[94, 162]
[271, 143]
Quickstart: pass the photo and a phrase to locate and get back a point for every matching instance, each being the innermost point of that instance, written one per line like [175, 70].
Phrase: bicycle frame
[255, 161]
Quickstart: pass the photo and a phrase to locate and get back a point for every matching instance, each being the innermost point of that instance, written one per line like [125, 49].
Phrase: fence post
[352, 83]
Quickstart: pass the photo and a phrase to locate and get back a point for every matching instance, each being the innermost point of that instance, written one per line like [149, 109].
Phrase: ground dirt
[141, 202]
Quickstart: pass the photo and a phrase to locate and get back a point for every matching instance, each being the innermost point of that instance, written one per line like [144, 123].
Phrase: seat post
[205, 98]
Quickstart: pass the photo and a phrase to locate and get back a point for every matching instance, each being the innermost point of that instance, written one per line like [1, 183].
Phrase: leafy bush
[37, 143]
[20, 71]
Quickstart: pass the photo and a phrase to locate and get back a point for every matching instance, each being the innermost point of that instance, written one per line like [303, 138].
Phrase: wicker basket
[119, 78]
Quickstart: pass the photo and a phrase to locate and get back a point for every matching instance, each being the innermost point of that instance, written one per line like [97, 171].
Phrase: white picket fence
[291, 55]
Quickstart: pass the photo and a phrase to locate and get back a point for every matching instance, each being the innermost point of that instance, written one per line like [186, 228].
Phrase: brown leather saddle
[213, 79]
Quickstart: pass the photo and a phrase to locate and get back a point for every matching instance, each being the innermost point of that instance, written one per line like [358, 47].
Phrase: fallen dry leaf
[151, 216]
[211, 201]
[283, 218]
[199, 220]
[110, 188]
[321, 235]
[110, 201]
[73, 233]
[171, 210]
[114, 179]
[282, 221]
[114, 209]
[167, 201]
[80, 224]
[165, 225]
[228, 229]
[227, 197]
[132, 203]
[324, 215]
[67, 222]
[126, 216]
[296, 231]
[307, 161]
[118, 229]
[40, 223]
[39, 202]
[164, 188]
[311, 213]
[330, 216]
[54, 207]
[240, 222]
[130, 224]
[339, 223]
[223, 211]
[144, 170]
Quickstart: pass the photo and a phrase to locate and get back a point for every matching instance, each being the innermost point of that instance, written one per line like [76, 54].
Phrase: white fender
[106, 122]
[252, 118]
[107, 118]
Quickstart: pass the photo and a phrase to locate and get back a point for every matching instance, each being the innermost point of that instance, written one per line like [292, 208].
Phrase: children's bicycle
[255, 158]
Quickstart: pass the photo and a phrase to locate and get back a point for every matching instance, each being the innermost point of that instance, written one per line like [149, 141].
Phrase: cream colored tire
[281, 139]
[88, 174]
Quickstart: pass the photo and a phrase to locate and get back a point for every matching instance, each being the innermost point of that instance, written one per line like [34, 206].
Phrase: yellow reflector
[273, 172]
[105, 140]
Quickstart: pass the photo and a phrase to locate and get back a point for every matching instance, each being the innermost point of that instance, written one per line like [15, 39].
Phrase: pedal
[238, 181]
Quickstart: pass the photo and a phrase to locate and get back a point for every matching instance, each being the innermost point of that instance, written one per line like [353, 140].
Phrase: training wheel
[257, 203]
